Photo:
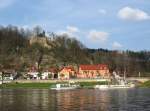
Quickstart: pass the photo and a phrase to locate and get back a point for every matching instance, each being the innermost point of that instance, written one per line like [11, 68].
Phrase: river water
[75, 100]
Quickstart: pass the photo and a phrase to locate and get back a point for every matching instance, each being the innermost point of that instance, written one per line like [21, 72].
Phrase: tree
[38, 31]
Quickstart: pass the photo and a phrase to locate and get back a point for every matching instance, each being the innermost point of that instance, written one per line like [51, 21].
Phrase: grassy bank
[44, 85]
[26, 85]
[145, 84]
[90, 84]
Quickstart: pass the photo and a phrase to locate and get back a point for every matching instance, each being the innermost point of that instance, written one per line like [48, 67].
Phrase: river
[75, 100]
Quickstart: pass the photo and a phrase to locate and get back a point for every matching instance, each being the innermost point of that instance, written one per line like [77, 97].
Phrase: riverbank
[145, 84]
[46, 85]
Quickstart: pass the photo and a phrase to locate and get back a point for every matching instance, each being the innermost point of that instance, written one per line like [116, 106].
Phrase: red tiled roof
[92, 67]
[71, 68]
[68, 68]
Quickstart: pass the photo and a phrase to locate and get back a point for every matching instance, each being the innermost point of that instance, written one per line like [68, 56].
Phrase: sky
[111, 24]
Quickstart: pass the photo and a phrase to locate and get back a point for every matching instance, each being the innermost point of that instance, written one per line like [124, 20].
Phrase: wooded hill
[21, 49]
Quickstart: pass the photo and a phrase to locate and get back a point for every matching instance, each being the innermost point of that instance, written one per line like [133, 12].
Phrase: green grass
[45, 85]
[91, 84]
[26, 85]
[145, 84]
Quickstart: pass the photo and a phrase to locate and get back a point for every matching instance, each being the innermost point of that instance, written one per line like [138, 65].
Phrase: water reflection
[74, 100]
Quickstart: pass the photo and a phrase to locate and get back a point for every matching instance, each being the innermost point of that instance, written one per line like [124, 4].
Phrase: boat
[65, 86]
[121, 83]
[115, 86]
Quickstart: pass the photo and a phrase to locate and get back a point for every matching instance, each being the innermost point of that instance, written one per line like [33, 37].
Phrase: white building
[33, 75]
[6, 76]
[45, 75]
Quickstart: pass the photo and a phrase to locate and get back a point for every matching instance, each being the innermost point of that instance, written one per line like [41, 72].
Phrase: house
[7, 75]
[50, 74]
[66, 73]
[53, 73]
[93, 71]
[45, 75]
[33, 73]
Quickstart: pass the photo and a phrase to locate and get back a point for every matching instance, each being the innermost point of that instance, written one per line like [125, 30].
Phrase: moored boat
[115, 86]
[65, 86]
[120, 83]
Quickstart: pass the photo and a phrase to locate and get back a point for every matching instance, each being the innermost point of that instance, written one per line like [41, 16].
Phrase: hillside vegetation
[23, 48]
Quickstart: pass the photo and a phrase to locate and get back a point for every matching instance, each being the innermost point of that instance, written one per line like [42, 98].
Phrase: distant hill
[21, 49]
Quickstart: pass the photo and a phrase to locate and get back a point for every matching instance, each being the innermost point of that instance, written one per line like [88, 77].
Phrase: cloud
[98, 36]
[102, 11]
[133, 14]
[71, 31]
[6, 3]
[116, 45]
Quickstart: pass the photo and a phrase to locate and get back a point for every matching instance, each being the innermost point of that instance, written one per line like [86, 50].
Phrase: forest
[22, 48]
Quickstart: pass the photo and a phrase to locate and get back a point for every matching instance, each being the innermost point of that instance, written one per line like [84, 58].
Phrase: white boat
[121, 83]
[115, 86]
[64, 86]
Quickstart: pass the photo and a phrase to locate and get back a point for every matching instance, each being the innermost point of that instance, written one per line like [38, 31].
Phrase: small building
[53, 73]
[93, 71]
[45, 75]
[66, 73]
[7, 75]
[33, 73]
[50, 73]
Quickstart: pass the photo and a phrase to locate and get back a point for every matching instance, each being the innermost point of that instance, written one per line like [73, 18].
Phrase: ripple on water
[75, 100]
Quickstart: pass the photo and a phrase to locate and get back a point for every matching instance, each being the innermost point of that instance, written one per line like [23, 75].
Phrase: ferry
[65, 86]
[120, 84]
[125, 86]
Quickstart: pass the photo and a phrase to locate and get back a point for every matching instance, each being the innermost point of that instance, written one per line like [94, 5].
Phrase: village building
[53, 73]
[66, 73]
[93, 71]
[33, 73]
[45, 75]
[7, 75]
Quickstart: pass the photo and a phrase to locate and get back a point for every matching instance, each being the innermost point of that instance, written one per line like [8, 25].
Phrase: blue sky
[112, 24]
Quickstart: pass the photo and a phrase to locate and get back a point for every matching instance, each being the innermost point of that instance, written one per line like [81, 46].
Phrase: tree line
[16, 52]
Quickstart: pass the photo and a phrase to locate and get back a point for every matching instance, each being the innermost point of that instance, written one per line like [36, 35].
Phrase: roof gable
[93, 67]
[69, 68]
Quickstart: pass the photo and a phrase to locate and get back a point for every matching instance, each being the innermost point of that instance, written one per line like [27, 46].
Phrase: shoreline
[47, 84]
[145, 84]
[14, 85]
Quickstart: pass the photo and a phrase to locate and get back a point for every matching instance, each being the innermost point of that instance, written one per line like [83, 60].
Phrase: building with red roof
[66, 72]
[93, 71]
